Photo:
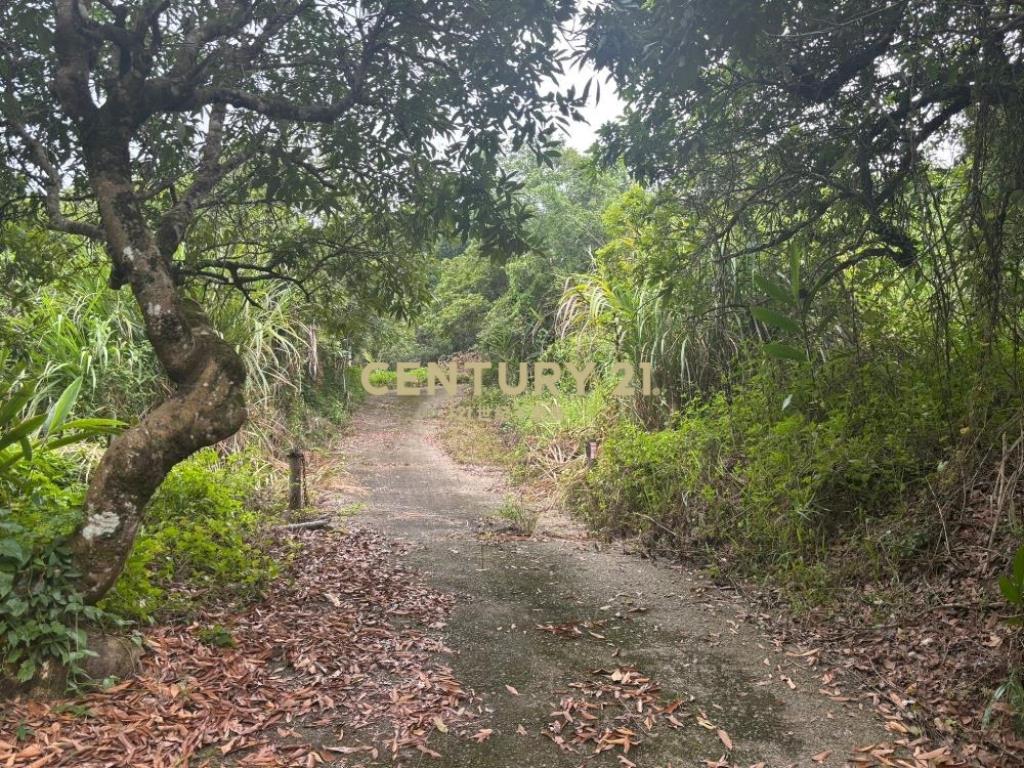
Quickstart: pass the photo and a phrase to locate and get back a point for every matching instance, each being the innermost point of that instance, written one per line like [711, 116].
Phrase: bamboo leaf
[785, 352]
[775, 290]
[62, 407]
[96, 425]
[775, 319]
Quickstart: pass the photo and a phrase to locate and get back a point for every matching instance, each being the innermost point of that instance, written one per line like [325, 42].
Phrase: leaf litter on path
[340, 645]
[614, 709]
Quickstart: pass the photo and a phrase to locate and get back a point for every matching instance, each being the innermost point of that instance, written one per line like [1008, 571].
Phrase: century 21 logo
[545, 376]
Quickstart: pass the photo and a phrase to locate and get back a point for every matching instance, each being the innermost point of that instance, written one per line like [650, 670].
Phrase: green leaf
[11, 549]
[62, 407]
[83, 429]
[15, 607]
[26, 671]
[775, 319]
[1018, 566]
[775, 290]
[1010, 590]
[97, 424]
[22, 430]
[785, 352]
[11, 408]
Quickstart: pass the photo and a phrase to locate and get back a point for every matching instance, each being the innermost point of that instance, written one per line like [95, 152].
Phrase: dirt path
[688, 638]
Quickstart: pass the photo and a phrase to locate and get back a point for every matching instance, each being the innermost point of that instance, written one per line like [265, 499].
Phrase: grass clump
[518, 517]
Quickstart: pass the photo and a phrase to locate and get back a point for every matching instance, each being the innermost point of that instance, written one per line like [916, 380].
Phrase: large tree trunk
[208, 378]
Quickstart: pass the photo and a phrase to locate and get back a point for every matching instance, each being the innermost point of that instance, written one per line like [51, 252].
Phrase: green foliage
[198, 533]
[782, 481]
[569, 416]
[24, 433]
[507, 312]
[765, 114]
[40, 612]
[217, 636]
[386, 378]
[407, 148]
[467, 284]
[653, 483]
[80, 329]
[389, 377]
[1011, 586]
[40, 500]
[44, 496]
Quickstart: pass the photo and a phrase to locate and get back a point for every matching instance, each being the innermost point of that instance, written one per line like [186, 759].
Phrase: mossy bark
[207, 376]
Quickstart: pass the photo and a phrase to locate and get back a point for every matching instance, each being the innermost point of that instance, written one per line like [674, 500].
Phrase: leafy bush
[27, 429]
[41, 491]
[654, 484]
[40, 611]
[776, 473]
[198, 533]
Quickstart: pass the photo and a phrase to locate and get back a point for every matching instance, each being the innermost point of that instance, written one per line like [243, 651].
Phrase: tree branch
[36, 153]
[74, 54]
[210, 172]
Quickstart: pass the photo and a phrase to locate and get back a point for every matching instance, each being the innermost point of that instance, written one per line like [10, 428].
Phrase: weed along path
[576, 656]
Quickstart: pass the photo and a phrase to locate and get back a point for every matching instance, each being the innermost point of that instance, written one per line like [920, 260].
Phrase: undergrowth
[813, 480]
[197, 538]
[520, 518]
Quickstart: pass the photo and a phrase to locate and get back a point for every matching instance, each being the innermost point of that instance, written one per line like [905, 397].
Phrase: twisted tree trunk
[208, 378]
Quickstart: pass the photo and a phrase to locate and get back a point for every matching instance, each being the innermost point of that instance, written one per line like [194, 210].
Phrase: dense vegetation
[822, 261]
[809, 224]
[76, 370]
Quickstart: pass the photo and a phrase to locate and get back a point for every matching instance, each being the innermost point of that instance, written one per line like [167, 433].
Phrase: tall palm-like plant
[639, 321]
[23, 430]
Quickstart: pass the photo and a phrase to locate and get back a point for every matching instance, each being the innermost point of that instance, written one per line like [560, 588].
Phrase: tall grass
[81, 328]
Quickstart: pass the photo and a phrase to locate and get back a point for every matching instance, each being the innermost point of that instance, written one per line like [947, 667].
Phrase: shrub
[780, 473]
[197, 532]
[654, 484]
[43, 497]
[40, 611]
